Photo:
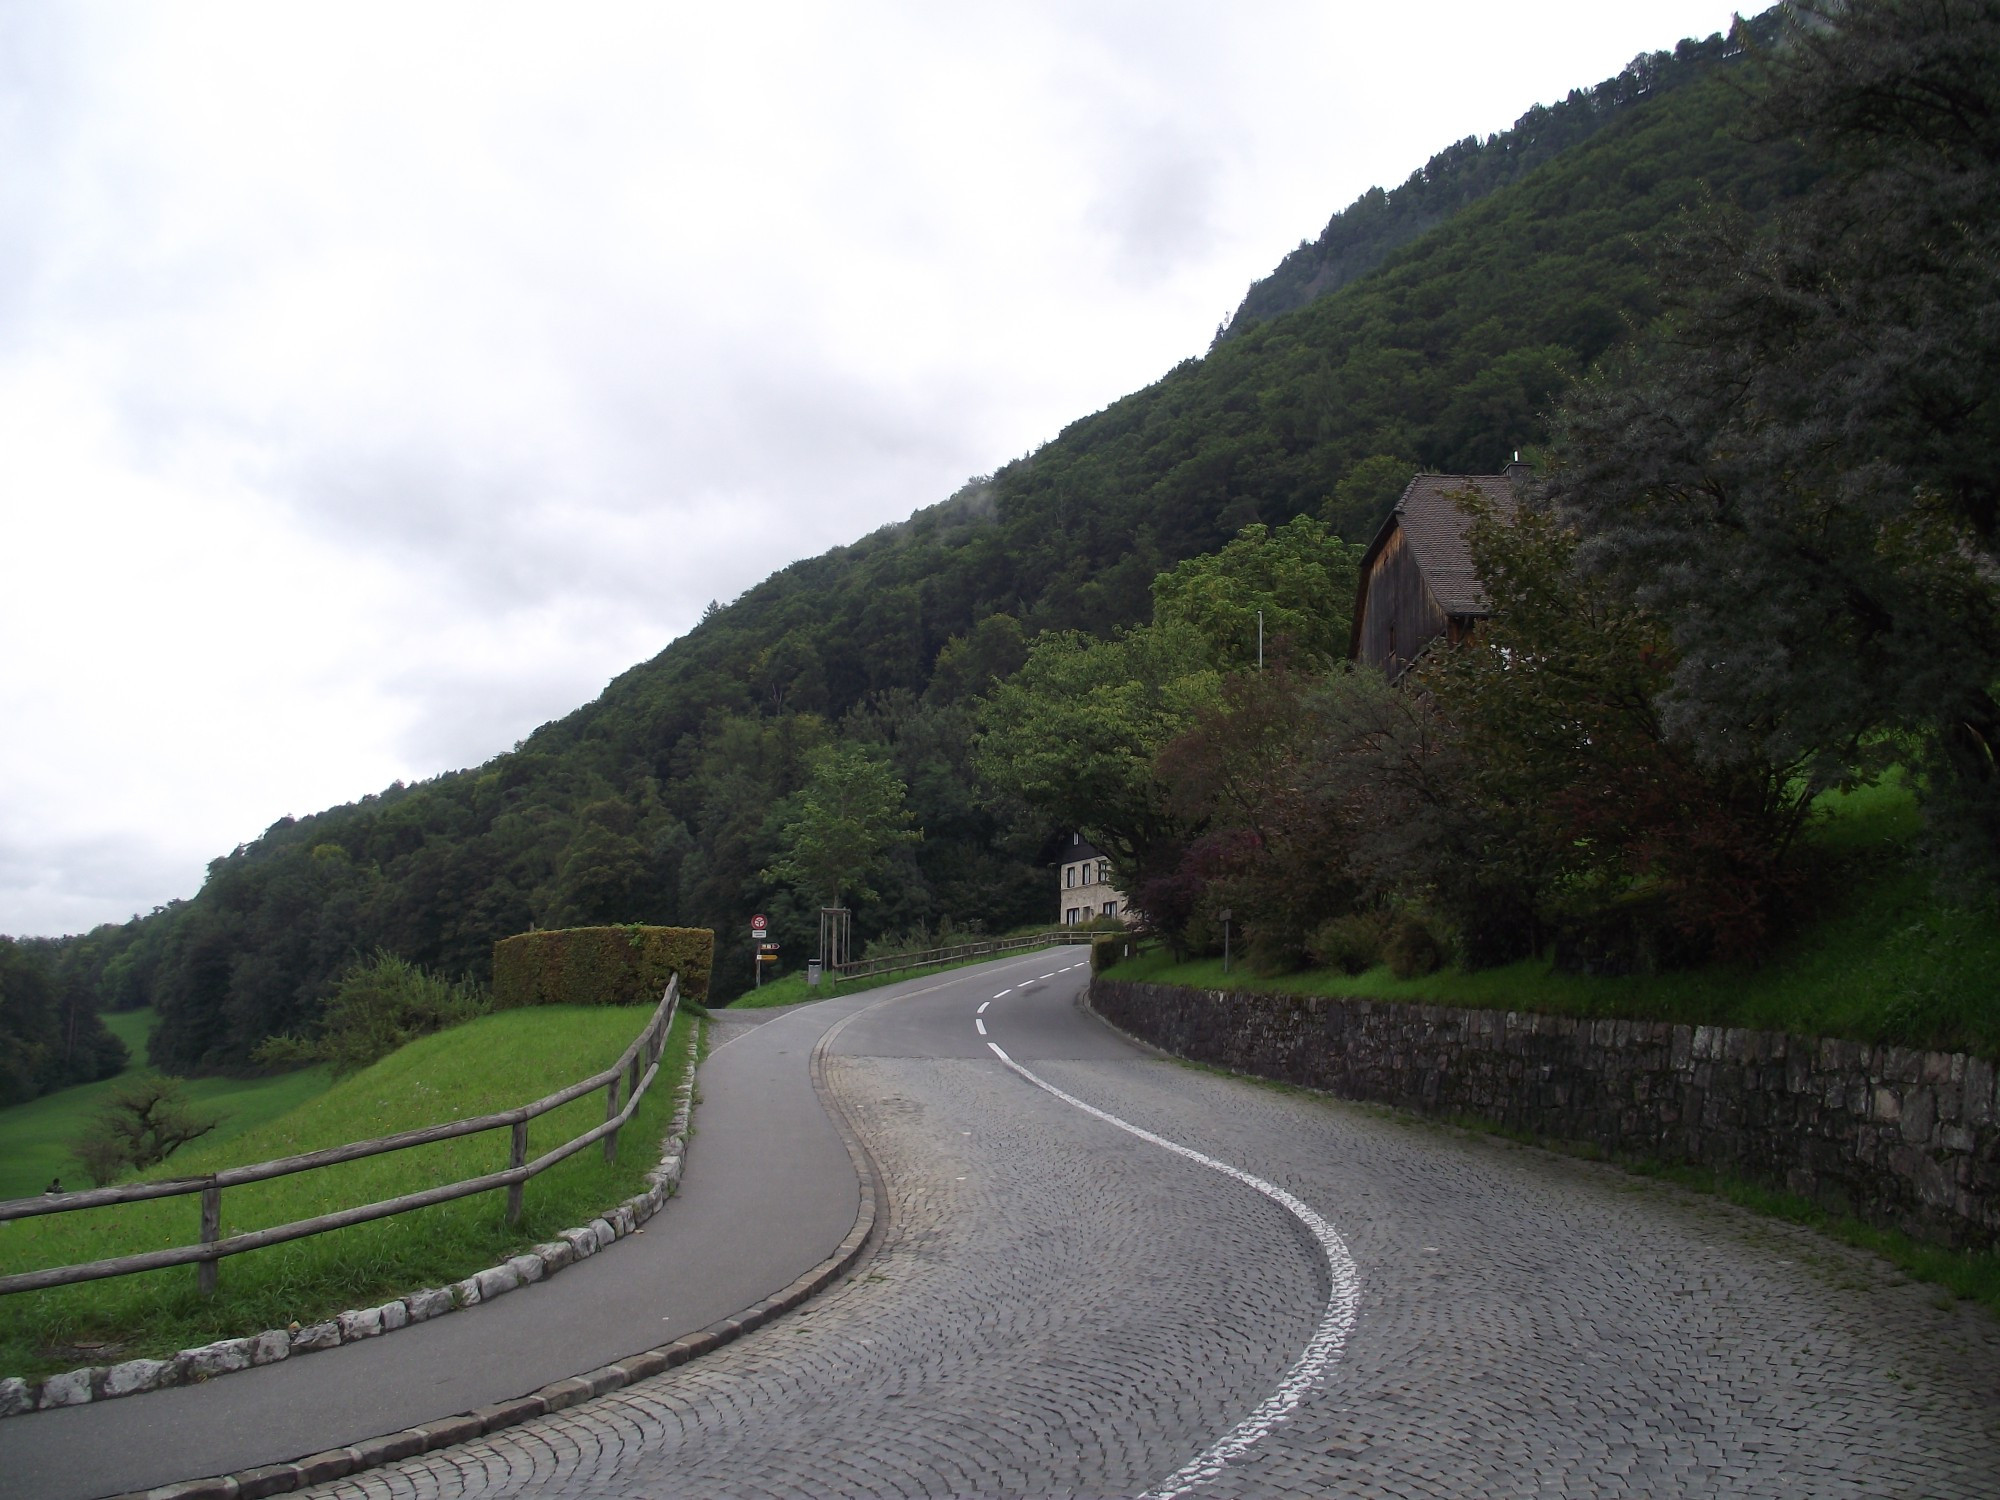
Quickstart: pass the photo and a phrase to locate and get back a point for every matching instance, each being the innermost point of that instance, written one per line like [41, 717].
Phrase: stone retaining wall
[1893, 1136]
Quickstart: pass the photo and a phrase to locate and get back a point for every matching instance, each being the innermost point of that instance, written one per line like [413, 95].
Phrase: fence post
[610, 1111]
[211, 1231]
[517, 1158]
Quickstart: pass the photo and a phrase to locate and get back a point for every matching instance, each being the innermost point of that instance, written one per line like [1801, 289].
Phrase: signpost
[760, 927]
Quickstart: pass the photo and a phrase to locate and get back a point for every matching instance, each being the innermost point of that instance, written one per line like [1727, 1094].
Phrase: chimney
[1517, 473]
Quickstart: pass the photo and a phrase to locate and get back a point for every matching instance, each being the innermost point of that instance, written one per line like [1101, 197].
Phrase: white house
[1087, 891]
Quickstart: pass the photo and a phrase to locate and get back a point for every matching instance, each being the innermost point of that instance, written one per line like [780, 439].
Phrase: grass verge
[35, 1137]
[489, 1064]
[1880, 959]
[792, 989]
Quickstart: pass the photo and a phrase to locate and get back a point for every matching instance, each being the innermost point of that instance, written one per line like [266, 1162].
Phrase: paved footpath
[769, 1192]
[1058, 1306]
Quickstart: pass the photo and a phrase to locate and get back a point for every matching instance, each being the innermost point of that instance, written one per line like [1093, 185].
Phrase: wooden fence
[892, 963]
[633, 1073]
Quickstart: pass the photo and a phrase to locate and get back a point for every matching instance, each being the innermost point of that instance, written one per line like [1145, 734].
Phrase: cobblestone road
[1057, 1308]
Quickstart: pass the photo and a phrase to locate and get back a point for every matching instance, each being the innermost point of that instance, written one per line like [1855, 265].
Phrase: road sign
[767, 947]
[758, 925]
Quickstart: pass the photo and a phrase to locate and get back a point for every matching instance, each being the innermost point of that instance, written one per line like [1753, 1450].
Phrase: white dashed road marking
[982, 1007]
[1327, 1341]
[981, 1025]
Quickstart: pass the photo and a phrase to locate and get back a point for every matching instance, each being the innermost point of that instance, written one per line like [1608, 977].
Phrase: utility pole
[1260, 640]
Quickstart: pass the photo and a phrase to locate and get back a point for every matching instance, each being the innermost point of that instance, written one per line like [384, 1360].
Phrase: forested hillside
[1356, 239]
[663, 800]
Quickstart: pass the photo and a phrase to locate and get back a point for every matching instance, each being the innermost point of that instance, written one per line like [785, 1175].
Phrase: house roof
[1078, 848]
[1434, 529]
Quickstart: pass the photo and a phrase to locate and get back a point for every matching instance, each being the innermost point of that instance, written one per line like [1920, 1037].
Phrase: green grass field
[35, 1137]
[1880, 959]
[132, 1027]
[489, 1064]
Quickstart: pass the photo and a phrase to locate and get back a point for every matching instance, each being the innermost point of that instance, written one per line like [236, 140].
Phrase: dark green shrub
[378, 1005]
[1412, 949]
[601, 966]
[1109, 949]
[1274, 949]
[1351, 944]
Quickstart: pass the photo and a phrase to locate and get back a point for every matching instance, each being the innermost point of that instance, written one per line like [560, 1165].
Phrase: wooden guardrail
[890, 963]
[634, 1071]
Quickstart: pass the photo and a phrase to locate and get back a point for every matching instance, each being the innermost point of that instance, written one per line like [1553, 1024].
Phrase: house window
[1111, 908]
[1069, 875]
[1069, 917]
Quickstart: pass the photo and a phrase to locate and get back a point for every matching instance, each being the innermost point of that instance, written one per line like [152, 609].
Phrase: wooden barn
[1417, 581]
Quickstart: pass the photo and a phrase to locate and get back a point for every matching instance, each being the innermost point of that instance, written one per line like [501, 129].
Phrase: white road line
[1003, 994]
[1321, 1353]
[982, 1028]
[982, 1007]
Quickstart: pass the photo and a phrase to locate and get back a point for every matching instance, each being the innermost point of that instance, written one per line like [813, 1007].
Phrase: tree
[378, 1006]
[1583, 796]
[1801, 477]
[51, 1035]
[1272, 849]
[1300, 577]
[146, 1119]
[29, 1037]
[1074, 734]
[1366, 494]
[842, 825]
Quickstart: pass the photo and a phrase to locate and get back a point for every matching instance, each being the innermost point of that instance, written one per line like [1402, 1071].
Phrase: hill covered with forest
[1430, 327]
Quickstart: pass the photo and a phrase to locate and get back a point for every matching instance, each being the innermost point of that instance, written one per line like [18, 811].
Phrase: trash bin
[812, 973]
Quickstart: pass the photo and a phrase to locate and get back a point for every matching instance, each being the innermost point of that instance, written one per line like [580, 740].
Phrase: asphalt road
[1103, 1273]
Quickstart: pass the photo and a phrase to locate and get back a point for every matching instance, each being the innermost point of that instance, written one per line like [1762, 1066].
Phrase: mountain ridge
[660, 800]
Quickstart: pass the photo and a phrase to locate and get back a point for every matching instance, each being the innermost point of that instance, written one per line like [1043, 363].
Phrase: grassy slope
[1881, 959]
[489, 1064]
[132, 1027]
[35, 1137]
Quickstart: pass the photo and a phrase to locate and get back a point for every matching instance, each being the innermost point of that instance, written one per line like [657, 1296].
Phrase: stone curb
[338, 1463]
[193, 1366]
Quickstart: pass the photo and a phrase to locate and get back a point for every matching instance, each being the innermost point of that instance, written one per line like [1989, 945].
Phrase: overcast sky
[377, 382]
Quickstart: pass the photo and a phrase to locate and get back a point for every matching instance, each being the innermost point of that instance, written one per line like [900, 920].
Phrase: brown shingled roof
[1435, 528]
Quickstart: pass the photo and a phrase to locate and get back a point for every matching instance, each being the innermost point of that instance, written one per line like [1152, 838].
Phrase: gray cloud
[364, 406]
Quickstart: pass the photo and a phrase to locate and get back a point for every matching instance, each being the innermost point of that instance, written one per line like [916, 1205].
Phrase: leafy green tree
[28, 1031]
[1366, 494]
[378, 1006]
[50, 1033]
[1298, 576]
[1272, 848]
[1580, 794]
[1074, 735]
[1799, 476]
[842, 825]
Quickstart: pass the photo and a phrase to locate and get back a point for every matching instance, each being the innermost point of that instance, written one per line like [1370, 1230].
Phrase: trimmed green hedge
[601, 966]
[1111, 948]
